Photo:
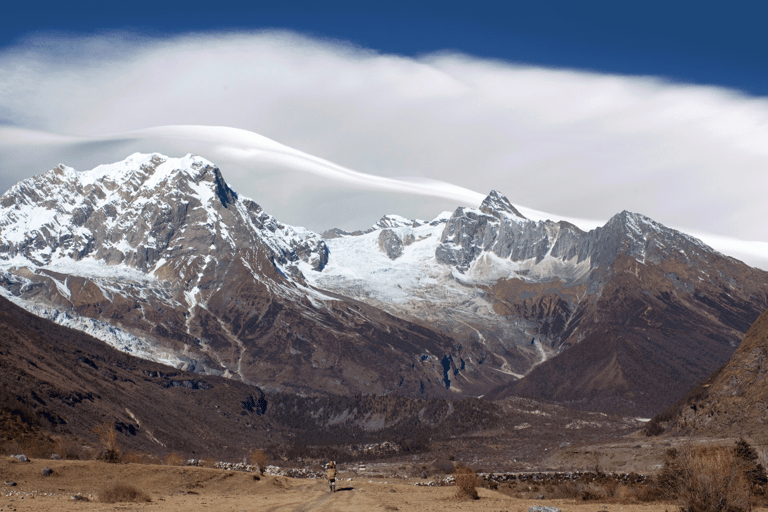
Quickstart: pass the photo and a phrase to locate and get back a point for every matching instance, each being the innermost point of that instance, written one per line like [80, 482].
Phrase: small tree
[466, 482]
[107, 435]
[595, 458]
[753, 470]
[260, 459]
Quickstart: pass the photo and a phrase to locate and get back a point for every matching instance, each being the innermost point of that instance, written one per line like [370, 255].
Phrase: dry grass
[466, 483]
[121, 493]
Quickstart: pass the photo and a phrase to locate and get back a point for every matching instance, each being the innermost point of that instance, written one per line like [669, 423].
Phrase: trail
[310, 497]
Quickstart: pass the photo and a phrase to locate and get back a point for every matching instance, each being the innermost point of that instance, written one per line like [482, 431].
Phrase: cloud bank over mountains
[368, 127]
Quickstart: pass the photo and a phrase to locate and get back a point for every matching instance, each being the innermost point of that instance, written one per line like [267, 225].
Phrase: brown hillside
[63, 381]
[734, 400]
[59, 381]
[647, 338]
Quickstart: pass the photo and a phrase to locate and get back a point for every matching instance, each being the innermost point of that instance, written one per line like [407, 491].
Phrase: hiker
[330, 474]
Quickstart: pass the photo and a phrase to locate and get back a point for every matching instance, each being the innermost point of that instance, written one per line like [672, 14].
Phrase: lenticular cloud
[578, 144]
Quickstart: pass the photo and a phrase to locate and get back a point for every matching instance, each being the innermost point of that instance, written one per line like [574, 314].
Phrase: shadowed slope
[733, 401]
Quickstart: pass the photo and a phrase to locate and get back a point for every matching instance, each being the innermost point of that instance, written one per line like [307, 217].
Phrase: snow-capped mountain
[159, 257]
[142, 213]
[529, 290]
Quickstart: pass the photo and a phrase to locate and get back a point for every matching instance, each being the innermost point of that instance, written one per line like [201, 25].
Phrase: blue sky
[577, 109]
[702, 42]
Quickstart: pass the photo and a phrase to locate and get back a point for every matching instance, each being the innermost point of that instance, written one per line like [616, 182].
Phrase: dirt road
[183, 489]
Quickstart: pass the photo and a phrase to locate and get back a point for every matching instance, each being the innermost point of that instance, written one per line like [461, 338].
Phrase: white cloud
[574, 143]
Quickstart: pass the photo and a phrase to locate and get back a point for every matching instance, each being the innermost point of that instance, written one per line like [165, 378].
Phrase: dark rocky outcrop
[390, 244]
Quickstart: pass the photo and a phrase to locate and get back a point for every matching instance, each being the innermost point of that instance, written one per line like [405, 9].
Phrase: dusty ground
[191, 488]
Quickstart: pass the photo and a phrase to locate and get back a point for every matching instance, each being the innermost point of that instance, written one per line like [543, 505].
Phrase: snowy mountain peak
[141, 212]
[146, 173]
[497, 205]
[547, 249]
[396, 221]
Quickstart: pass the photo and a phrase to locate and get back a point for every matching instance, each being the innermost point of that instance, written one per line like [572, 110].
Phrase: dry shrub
[707, 479]
[107, 435]
[88, 453]
[174, 459]
[137, 458]
[207, 463]
[260, 459]
[466, 483]
[122, 493]
[68, 449]
[32, 447]
[565, 490]
[591, 494]
[443, 466]
[754, 471]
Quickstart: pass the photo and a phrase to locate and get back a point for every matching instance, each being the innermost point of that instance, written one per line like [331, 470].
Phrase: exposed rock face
[390, 243]
[497, 227]
[159, 257]
[387, 221]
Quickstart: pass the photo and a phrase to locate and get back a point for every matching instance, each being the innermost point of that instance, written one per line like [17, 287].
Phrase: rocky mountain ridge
[534, 291]
[161, 257]
[111, 214]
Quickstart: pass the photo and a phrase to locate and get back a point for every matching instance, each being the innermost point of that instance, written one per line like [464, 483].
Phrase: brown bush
[137, 458]
[207, 463]
[754, 471]
[32, 447]
[174, 459]
[466, 483]
[68, 449]
[706, 479]
[260, 459]
[443, 466]
[565, 490]
[121, 493]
